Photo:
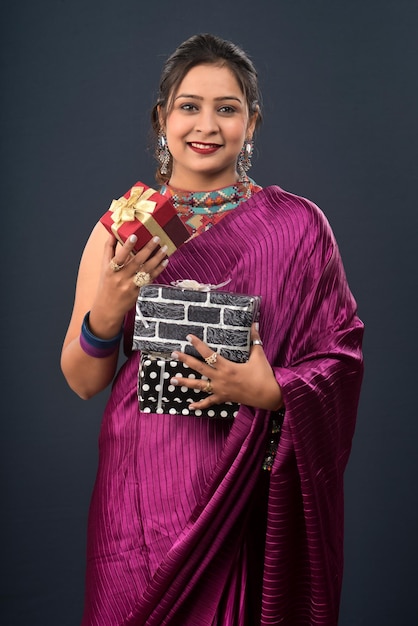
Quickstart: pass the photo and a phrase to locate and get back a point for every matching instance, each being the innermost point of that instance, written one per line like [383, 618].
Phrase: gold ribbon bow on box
[138, 206]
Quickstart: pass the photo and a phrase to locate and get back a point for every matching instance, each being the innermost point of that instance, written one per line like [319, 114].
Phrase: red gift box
[144, 212]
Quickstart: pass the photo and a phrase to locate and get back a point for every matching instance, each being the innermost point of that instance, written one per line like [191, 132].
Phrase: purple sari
[185, 527]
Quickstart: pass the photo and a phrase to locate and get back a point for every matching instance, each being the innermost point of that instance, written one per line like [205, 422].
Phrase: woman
[186, 525]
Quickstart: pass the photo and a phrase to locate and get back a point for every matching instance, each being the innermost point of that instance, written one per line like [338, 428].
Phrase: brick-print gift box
[165, 315]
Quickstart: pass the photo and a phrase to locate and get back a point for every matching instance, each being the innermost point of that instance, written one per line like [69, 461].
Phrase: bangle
[94, 346]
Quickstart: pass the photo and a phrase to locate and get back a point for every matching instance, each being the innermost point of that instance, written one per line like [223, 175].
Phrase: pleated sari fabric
[185, 527]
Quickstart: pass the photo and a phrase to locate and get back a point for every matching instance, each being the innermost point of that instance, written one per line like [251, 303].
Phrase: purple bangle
[95, 346]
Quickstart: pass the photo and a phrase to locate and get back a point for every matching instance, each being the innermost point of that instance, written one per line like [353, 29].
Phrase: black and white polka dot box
[157, 395]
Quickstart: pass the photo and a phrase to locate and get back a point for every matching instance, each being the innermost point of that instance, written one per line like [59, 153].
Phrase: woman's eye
[227, 109]
[188, 107]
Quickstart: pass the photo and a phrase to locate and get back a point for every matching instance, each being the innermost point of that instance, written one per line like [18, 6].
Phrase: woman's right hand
[108, 295]
[117, 292]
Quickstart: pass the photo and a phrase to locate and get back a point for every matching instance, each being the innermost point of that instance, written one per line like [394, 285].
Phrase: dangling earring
[244, 159]
[163, 153]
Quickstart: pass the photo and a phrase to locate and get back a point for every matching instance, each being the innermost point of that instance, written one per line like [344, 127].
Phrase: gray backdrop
[340, 105]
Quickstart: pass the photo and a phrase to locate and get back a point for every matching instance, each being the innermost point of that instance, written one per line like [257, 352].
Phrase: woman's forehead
[218, 80]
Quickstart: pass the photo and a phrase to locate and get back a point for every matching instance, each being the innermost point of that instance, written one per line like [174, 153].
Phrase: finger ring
[141, 278]
[211, 360]
[115, 267]
[208, 387]
[256, 342]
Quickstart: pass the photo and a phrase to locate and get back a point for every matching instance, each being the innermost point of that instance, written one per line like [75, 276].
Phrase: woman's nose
[206, 122]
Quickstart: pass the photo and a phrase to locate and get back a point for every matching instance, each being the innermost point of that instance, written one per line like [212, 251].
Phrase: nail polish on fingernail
[175, 355]
[189, 338]
[174, 381]
[156, 239]
[164, 263]
[164, 249]
[133, 238]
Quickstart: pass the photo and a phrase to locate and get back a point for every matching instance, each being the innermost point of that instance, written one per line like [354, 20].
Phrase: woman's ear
[252, 123]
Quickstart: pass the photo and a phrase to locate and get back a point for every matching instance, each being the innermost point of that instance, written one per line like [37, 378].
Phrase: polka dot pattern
[157, 395]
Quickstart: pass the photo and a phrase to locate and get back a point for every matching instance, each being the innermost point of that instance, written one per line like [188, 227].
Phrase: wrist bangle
[94, 346]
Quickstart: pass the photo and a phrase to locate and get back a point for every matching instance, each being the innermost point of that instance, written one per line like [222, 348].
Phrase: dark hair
[199, 50]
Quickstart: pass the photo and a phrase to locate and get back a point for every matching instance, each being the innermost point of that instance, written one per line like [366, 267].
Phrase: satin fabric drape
[185, 528]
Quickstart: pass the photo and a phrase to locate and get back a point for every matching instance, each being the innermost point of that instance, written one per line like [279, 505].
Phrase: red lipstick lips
[203, 148]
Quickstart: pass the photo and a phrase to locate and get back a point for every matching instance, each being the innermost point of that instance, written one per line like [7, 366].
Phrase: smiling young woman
[231, 521]
[206, 126]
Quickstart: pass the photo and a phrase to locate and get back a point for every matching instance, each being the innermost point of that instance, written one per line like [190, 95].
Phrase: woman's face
[207, 124]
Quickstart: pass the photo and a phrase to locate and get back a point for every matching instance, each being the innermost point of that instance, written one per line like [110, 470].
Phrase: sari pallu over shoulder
[281, 247]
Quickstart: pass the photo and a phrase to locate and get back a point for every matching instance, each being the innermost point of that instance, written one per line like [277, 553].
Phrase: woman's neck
[202, 182]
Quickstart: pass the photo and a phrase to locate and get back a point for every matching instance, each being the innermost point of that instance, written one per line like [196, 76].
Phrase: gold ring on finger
[211, 359]
[142, 278]
[116, 267]
[208, 388]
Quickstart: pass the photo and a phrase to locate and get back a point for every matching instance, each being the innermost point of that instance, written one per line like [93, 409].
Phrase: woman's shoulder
[280, 197]
[292, 207]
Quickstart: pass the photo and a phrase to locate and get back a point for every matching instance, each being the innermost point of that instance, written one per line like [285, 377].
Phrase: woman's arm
[108, 295]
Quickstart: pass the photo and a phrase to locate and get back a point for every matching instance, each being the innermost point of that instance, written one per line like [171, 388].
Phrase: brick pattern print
[166, 315]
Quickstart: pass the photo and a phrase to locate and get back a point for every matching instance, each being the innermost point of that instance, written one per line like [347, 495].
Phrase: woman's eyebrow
[228, 98]
[190, 95]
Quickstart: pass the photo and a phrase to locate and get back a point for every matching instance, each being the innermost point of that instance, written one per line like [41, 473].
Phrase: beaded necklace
[200, 210]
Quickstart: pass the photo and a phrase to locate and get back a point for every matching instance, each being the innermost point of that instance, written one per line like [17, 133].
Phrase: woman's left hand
[251, 383]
